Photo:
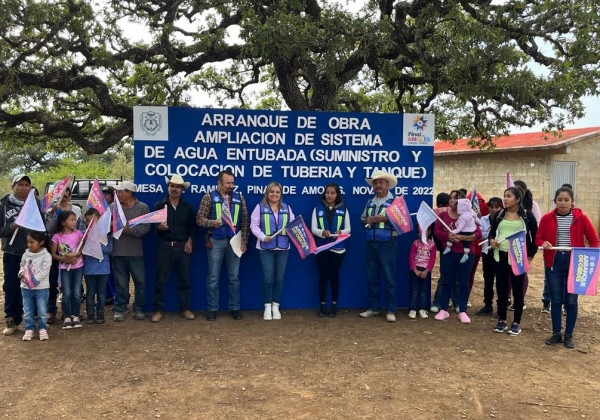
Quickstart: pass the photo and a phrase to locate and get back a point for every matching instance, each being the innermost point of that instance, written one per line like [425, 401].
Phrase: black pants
[504, 275]
[169, 258]
[329, 264]
[53, 291]
[489, 274]
[13, 301]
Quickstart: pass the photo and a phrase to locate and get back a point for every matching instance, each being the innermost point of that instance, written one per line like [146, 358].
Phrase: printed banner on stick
[583, 271]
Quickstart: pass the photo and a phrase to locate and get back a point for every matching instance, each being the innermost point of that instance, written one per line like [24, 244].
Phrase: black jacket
[530, 227]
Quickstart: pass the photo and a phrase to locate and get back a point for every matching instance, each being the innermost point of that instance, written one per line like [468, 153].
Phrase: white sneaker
[369, 313]
[268, 315]
[44, 335]
[28, 335]
[412, 314]
[457, 309]
[469, 304]
[390, 317]
[434, 309]
[276, 313]
[423, 313]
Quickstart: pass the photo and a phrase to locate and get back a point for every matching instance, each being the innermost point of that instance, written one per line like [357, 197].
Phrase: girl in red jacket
[565, 227]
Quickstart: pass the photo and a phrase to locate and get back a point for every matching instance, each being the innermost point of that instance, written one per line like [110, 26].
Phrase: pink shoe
[441, 315]
[464, 318]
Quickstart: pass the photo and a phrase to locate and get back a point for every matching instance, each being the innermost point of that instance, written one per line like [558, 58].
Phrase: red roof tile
[521, 142]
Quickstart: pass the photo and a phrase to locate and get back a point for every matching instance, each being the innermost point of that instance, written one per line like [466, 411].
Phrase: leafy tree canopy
[70, 75]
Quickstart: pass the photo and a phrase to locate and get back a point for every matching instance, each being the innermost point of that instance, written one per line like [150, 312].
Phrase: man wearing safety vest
[218, 209]
[382, 248]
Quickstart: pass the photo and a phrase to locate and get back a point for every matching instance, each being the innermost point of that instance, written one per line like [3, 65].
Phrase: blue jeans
[418, 290]
[71, 288]
[123, 267]
[32, 300]
[381, 259]
[456, 272]
[273, 267]
[95, 286]
[221, 249]
[546, 292]
[557, 282]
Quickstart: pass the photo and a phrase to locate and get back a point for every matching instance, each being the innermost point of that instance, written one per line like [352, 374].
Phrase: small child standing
[421, 260]
[96, 276]
[35, 284]
[65, 242]
[465, 225]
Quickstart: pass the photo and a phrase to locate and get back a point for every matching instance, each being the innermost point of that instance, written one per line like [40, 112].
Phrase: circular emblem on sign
[151, 122]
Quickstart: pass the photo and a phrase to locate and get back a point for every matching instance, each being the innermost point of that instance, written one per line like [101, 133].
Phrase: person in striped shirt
[567, 227]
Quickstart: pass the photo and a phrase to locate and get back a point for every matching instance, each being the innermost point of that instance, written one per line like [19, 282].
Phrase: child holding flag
[564, 226]
[65, 244]
[421, 260]
[509, 221]
[35, 282]
[96, 276]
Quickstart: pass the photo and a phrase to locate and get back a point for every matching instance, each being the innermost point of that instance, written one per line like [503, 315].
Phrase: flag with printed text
[300, 235]
[517, 253]
[583, 271]
[96, 198]
[399, 216]
[29, 276]
[158, 216]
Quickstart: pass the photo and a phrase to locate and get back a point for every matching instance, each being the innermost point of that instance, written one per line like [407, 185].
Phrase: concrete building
[542, 161]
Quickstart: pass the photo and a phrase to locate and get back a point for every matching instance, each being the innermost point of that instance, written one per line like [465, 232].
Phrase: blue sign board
[304, 151]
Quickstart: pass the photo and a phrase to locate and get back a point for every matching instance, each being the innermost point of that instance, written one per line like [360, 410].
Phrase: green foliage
[70, 74]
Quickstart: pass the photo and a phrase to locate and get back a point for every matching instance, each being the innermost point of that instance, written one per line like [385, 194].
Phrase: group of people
[54, 258]
[564, 227]
[48, 257]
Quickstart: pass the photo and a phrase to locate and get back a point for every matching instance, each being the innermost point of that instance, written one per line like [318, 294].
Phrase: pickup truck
[80, 189]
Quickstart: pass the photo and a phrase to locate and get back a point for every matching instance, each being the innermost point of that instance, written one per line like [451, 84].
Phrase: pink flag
[92, 246]
[29, 276]
[399, 216]
[340, 237]
[226, 214]
[119, 220]
[158, 216]
[56, 194]
[509, 180]
[96, 198]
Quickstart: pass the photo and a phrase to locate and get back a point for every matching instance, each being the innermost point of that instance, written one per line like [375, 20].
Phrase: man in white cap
[382, 247]
[176, 239]
[128, 254]
[10, 207]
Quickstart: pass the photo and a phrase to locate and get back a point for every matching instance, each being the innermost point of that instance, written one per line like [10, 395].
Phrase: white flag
[425, 217]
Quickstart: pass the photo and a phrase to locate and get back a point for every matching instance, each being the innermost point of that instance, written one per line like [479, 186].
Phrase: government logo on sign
[420, 123]
[151, 122]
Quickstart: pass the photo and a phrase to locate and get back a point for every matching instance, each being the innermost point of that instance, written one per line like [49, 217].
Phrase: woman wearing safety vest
[269, 217]
[330, 217]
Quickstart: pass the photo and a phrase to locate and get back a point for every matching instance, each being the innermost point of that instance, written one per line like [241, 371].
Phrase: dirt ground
[304, 367]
